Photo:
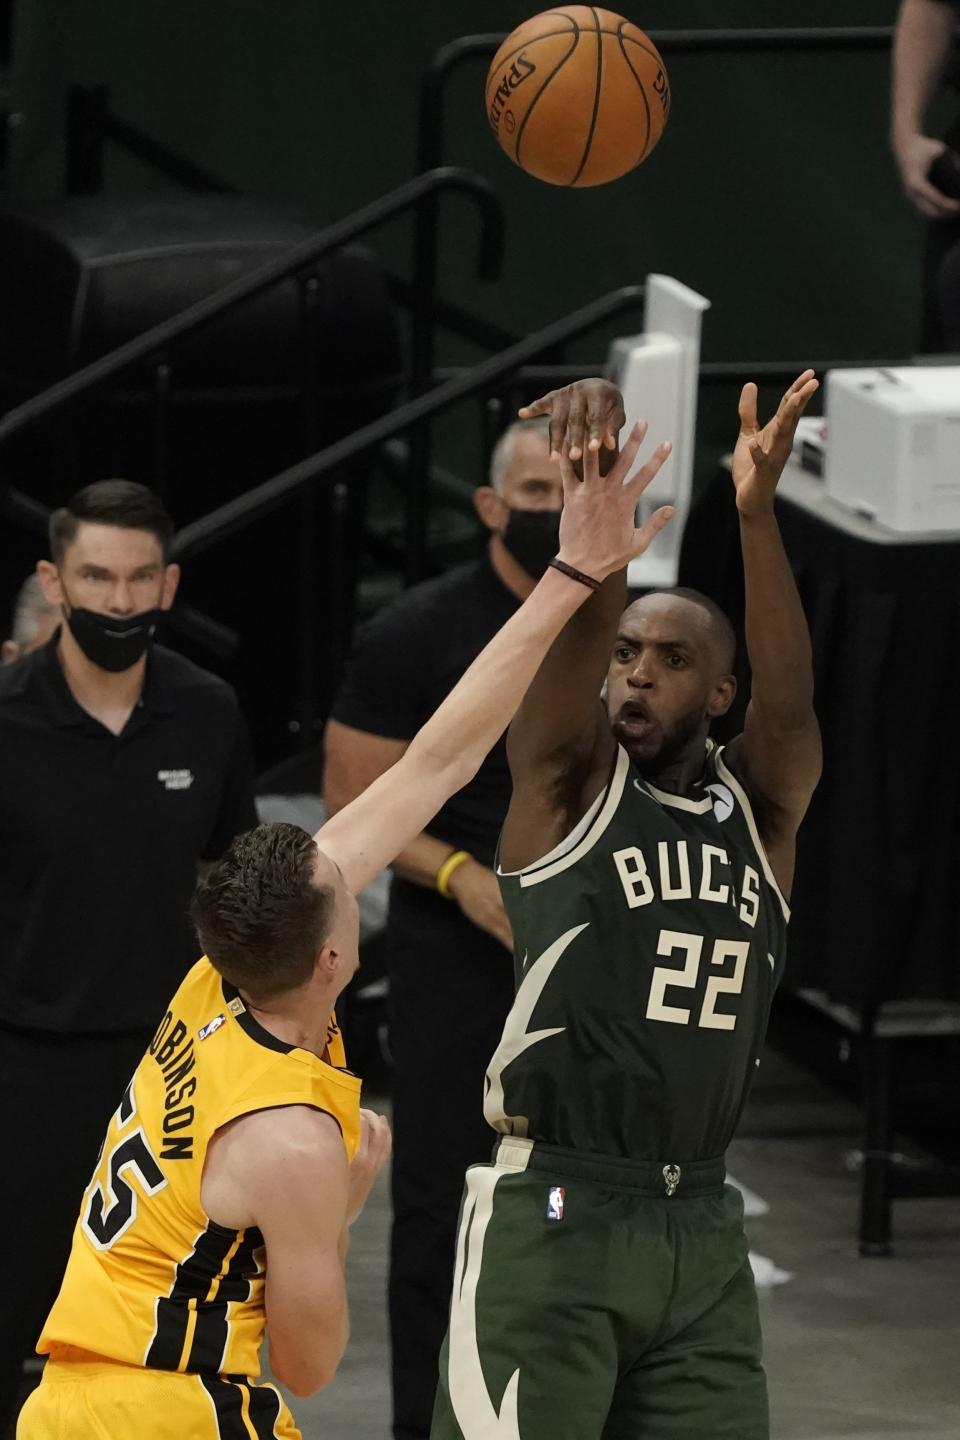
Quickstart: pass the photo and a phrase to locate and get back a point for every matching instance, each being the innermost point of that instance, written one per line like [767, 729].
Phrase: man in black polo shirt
[122, 765]
[448, 953]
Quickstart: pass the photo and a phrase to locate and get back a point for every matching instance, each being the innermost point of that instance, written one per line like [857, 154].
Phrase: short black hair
[110, 502]
[259, 913]
[723, 632]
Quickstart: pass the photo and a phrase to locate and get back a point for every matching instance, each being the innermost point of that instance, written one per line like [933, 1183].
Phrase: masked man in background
[122, 766]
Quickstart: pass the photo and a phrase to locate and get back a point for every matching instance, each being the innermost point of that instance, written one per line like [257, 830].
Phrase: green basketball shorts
[600, 1299]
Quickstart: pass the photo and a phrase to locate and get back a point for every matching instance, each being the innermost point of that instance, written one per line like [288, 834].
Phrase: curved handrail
[236, 514]
[297, 258]
[430, 127]
[90, 122]
[432, 85]
[770, 37]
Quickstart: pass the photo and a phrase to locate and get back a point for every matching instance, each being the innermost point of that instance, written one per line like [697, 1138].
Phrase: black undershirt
[407, 660]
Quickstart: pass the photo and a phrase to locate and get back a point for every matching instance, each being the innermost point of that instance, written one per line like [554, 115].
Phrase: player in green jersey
[603, 1286]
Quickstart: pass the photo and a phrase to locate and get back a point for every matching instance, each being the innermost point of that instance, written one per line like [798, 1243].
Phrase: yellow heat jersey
[151, 1280]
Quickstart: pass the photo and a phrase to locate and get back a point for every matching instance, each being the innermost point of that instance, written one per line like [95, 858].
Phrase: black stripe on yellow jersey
[243, 1411]
[219, 1270]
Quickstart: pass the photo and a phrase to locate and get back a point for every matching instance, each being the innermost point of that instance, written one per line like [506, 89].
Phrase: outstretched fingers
[794, 399]
[649, 471]
[800, 384]
[588, 414]
[747, 409]
[567, 411]
[793, 402]
[624, 462]
[800, 394]
[649, 531]
[793, 405]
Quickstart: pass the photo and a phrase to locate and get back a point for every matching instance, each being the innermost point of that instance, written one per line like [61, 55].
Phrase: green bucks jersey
[648, 945]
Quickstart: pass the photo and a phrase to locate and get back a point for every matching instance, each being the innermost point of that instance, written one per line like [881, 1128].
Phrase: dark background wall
[772, 191]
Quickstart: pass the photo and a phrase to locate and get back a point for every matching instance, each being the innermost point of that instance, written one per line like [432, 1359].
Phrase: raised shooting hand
[587, 414]
[760, 455]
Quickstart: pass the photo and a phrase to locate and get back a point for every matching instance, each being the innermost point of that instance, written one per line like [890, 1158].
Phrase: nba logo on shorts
[555, 1202]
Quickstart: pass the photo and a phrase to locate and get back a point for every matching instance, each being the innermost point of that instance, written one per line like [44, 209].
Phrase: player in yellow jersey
[238, 1155]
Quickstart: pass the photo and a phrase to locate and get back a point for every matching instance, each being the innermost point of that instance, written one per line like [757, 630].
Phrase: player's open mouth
[635, 720]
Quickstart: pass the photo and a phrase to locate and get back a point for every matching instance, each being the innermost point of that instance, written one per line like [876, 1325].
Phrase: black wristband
[566, 569]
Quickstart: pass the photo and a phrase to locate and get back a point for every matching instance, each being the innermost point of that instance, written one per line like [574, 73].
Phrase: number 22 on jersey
[666, 977]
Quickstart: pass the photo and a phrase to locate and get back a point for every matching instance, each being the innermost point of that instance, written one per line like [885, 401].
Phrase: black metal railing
[711, 372]
[431, 128]
[90, 124]
[238, 513]
[155, 344]
[324, 467]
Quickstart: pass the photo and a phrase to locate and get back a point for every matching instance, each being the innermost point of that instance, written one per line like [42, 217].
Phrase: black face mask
[533, 538]
[110, 642]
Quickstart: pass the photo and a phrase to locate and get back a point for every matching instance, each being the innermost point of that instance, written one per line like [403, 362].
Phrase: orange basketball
[577, 96]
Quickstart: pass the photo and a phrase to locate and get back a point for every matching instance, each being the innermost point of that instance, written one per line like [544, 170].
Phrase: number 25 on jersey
[110, 1205]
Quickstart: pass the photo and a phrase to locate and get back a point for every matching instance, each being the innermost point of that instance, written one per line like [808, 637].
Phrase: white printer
[893, 445]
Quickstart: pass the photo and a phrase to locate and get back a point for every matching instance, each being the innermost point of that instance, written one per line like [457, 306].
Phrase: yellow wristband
[449, 868]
